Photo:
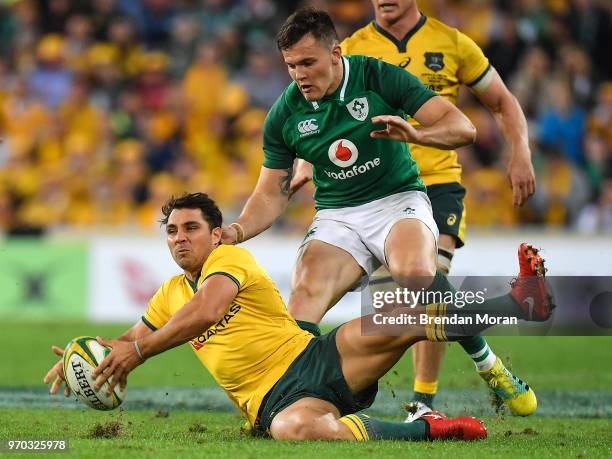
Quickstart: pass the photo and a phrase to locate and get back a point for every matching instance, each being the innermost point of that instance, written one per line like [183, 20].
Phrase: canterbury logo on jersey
[308, 127]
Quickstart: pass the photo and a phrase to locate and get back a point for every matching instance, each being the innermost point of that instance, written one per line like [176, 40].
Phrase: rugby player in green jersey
[444, 59]
[346, 116]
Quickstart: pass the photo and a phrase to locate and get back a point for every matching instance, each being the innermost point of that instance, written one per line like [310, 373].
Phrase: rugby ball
[81, 357]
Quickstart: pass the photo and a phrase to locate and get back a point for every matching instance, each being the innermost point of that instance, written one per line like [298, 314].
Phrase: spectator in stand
[260, 78]
[152, 84]
[563, 123]
[122, 34]
[597, 217]
[590, 23]
[104, 73]
[77, 42]
[53, 15]
[51, 81]
[529, 83]
[564, 188]
[183, 44]
[506, 47]
[77, 78]
[78, 114]
[104, 13]
[156, 21]
[575, 63]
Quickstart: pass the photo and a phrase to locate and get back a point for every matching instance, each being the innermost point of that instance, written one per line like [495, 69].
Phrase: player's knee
[413, 276]
[301, 424]
[292, 428]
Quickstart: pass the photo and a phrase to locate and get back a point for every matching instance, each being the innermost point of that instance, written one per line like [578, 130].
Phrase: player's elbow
[466, 134]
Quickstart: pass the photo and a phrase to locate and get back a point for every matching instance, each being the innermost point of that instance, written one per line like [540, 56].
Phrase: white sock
[484, 359]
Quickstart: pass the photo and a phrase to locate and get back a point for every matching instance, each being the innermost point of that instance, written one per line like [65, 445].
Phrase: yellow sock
[356, 427]
[435, 331]
[425, 387]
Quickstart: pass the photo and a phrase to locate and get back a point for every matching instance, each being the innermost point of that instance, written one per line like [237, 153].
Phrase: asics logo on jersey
[344, 153]
[307, 127]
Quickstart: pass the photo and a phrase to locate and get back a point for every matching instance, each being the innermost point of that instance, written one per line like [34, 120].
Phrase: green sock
[427, 399]
[386, 430]
[479, 351]
[476, 346]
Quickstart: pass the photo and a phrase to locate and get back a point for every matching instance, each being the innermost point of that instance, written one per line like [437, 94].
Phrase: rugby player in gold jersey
[285, 378]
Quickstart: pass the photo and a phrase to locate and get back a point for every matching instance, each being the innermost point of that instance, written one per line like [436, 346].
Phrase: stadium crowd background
[107, 107]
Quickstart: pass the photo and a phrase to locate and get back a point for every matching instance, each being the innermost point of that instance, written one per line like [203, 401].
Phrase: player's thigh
[410, 250]
[326, 270]
[309, 419]
[367, 358]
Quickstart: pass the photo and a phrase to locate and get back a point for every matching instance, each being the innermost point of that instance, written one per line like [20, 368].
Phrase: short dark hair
[210, 211]
[303, 21]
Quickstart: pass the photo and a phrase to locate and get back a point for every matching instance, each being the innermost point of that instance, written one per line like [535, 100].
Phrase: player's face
[388, 12]
[315, 68]
[190, 239]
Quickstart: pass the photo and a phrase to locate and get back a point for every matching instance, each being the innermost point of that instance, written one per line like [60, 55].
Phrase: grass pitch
[190, 418]
[143, 434]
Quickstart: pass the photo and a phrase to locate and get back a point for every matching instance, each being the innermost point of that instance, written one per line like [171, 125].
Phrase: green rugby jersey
[349, 167]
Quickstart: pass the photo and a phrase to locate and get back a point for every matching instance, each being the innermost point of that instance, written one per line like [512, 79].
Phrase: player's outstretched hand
[302, 175]
[122, 359]
[56, 374]
[397, 128]
[521, 178]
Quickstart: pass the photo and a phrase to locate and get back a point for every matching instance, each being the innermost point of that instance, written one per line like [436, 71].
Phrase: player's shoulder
[359, 61]
[437, 26]
[358, 37]
[371, 68]
[289, 102]
[440, 30]
[231, 252]
[171, 284]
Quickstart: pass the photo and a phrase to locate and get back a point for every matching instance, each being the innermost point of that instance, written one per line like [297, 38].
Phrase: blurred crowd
[107, 107]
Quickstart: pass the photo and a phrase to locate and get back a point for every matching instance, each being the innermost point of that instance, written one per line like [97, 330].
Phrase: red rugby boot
[529, 289]
[461, 428]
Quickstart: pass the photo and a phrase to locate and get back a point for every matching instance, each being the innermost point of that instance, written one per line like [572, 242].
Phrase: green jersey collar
[341, 90]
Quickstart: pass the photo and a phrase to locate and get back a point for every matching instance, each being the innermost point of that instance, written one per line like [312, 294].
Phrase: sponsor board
[42, 279]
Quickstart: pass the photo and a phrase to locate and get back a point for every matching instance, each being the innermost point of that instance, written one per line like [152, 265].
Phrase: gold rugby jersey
[255, 341]
[443, 58]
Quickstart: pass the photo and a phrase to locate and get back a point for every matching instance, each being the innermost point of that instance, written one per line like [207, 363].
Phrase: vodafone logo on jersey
[343, 153]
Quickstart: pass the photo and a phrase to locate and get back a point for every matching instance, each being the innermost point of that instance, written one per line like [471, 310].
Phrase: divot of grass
[110, 429]
[525, 431]
[197, 428]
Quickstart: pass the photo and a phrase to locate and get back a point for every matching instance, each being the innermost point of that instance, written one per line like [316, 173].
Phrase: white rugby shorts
[363, 230]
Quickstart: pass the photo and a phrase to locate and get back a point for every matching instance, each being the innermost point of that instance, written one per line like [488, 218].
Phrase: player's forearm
[139, 330]
[260, 212]
[186, 324]
[267, 202]
[453, 130]
[511, 122]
